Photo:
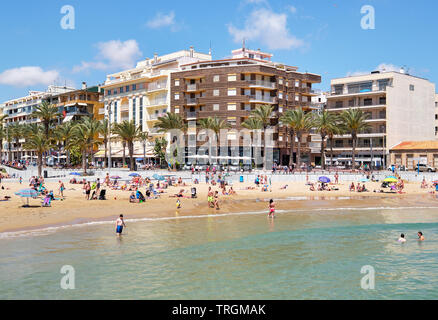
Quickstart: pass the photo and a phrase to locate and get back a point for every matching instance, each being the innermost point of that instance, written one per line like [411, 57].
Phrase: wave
[50, 230]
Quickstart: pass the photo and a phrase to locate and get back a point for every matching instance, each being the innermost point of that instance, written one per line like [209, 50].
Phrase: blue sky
[318, 36]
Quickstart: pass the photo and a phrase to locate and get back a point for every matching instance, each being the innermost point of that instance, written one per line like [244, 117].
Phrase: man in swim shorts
[120, 223]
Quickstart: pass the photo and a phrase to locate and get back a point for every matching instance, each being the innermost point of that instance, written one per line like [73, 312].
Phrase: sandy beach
[76, 209]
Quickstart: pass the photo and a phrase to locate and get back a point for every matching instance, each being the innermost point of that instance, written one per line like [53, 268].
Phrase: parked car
[425, 168]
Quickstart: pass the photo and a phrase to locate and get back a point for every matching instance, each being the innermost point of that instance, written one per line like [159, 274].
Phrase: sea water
[301, 254]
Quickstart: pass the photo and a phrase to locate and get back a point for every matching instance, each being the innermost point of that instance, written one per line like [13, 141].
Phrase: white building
[400, 107]
[142, 94]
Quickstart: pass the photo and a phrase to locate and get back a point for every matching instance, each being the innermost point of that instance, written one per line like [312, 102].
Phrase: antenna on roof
[243, 45]
[209, 52]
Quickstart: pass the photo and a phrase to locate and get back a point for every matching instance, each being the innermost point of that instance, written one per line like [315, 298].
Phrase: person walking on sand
[120, 223]
[210, 198]
[87, 188]
[271, 209]
[336, 178]
[61, 188]
[216, 200]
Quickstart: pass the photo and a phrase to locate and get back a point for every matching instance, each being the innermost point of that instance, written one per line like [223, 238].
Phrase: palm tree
[37, 142]
[337, 129]
[16, 131]
[63, 134]
[287, 119]
[264, 114]
[353, 123]
[85, 136]
[325, 122]
[171, 121]
[47, 113]
[144, 137]
[160, 147]
[106, 133]
[216, 125]
[128, 132]
[252, 124]
[2, 134]
[300, 123]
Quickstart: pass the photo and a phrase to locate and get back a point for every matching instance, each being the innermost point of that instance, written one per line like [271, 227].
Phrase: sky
[333, 38]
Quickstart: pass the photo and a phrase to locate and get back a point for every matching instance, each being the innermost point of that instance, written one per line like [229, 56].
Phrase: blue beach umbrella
[27, 193]
[158, 177]
[364, 180]
[324, 179]
[75, 174]
[115, 177]
[134, 175]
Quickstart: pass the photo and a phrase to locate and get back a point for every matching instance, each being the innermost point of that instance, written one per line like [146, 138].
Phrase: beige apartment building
[436, 116]
[142, 94]
[400, 107]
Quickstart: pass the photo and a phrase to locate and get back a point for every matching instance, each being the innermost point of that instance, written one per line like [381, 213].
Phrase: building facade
[142, 94]
[231, 88]
[400, 107]
[409, 154]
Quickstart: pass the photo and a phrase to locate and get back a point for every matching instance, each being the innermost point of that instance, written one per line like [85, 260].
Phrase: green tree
[264, 114]
[128, 132]
[254, 125]
[2, 134]
[216, 125]
[85, 136]
[160, 147]
[299, 123]
[16, 131]
[64, 134]
[47, 113]
[37, 142]
[353, 123]
[144, 138]
[106, 135]
[325, 123]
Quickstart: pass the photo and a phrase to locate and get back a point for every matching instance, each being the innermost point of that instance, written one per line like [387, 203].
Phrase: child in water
[271, 209]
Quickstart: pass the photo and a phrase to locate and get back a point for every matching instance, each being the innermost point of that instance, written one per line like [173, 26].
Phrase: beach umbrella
[75, 174]
[134, 175]
[364, 180]
[158, 177]
[390, 179]
[324, 179]
[27, 193]
[115, 177]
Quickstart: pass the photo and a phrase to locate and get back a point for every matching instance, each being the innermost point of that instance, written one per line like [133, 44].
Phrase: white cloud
[28, 76]
[113, 54]
[162, 20]
[268, 28]
[383, 67]
[292, 9]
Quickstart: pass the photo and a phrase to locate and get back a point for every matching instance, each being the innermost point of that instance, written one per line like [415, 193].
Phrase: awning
[68, 118]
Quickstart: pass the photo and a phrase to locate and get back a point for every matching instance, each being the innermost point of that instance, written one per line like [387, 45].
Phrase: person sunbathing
[285, 187]
[312, 187]
[231, 191]
[133, 199]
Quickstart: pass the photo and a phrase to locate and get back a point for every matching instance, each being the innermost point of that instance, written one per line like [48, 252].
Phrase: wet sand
[76, 209]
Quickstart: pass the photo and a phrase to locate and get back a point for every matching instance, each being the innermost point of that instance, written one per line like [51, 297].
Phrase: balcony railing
[191, 115]
[156, 86]
[262, 98]
[192, 87]
[192, 101]
[158, 102]
[260, 83]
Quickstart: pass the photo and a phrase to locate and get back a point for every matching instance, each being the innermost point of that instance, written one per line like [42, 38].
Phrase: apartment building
[399, 106]
[436, 116]
[231, 88]
[20, 111]
[142, 94]
[73, 105]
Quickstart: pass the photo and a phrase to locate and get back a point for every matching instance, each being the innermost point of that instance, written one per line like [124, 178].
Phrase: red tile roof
[417, 145]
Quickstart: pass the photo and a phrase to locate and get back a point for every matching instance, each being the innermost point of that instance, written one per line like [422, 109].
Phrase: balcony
[102, 111]
[124, 108]
[158, 102]
[339, 94]
[154, 87]
[262, 99]
[155, 116]
[192, 87]
[192, 101]
[262, 84]
[191, 115]
[361, 107]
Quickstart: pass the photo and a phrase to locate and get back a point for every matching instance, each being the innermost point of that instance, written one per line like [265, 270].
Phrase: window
[232, 92]
[232, 77]
[108, 92]
[176, 96]
[177, 83]
[127, 88]
[383, 84]
[115, 111]
[382, 100]
[280, 81]
[297, 83]
[231, 107]
[232, 121]
[339, 89]
[216, 92]
[368, 102]
[297, 97]
[412, 87]
[339, 104]
[351, 103]
[216, 107]
[134, 109]
[280, 95]
[134, 87]
[121, 89]
[216, 78]
[176, 109]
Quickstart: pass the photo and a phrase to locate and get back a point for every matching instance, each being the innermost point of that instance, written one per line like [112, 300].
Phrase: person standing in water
[271, 209]
[420, 236]
[120, 223]
[402, 238]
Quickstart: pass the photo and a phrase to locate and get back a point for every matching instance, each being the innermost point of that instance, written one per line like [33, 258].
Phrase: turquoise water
[307, 254]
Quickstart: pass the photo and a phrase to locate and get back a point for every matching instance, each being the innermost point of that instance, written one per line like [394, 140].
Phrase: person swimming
[120, 223]
[271, 209]
[402, 238]
[420, 236]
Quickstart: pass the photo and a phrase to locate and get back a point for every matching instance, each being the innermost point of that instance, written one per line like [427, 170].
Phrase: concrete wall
[410, 114]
